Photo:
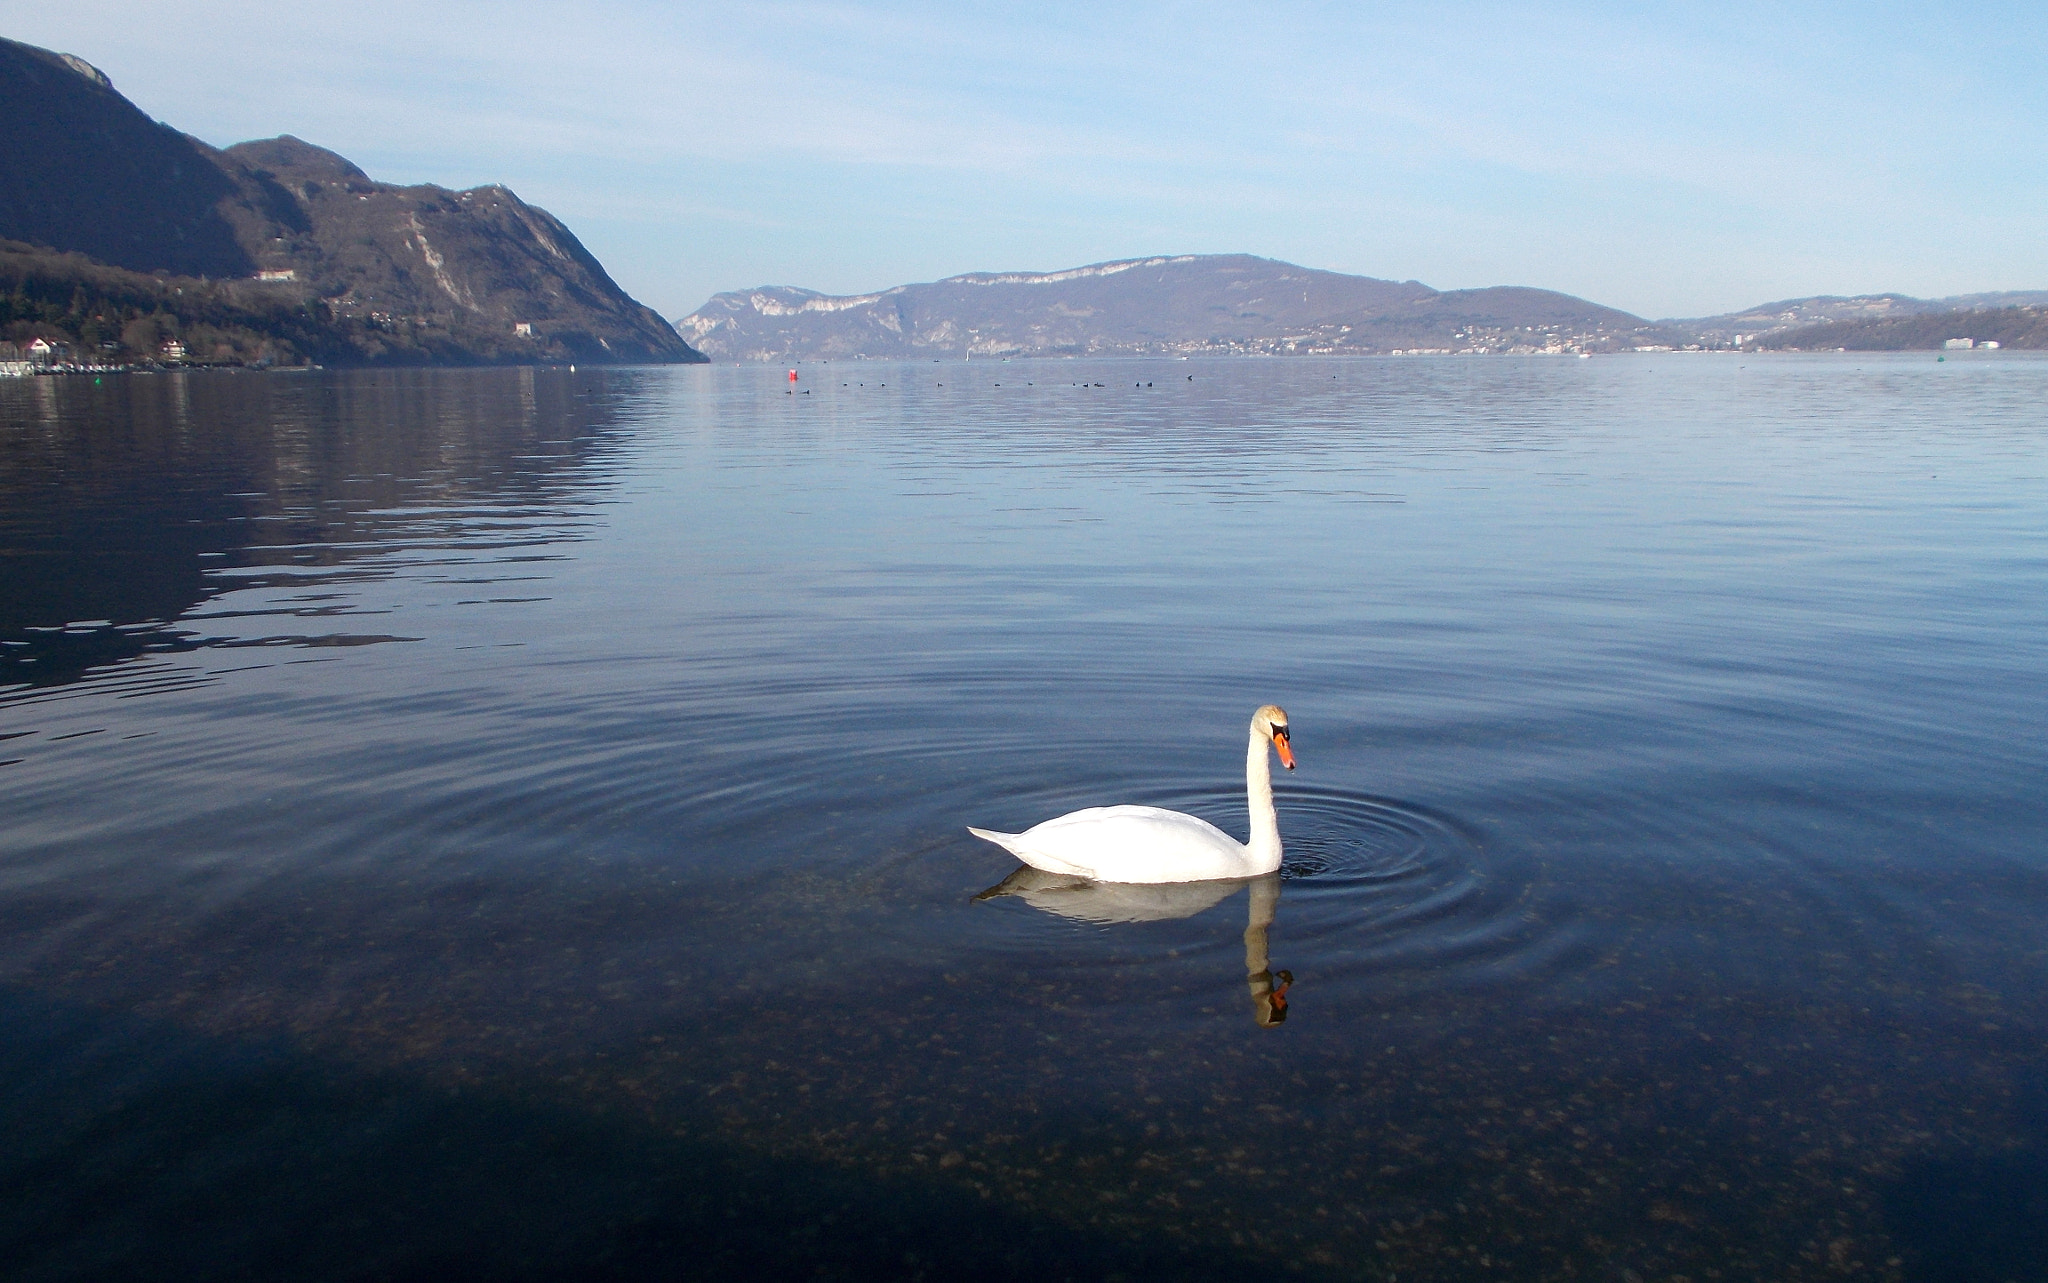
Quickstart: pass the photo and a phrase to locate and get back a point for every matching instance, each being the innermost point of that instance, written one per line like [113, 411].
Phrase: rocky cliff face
[384, 253]
[1198, 303]
[409, 273]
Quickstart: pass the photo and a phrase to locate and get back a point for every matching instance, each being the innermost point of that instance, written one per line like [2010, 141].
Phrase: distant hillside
[110, 314]
[2013, 327]
[102, 314]
[1769, 320]
[394, 274]
[1224, 303]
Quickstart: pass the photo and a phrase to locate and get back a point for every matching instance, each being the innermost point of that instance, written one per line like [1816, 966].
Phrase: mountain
[382, 273]
[1188, 304]
[1770, 319]
[2012, 327]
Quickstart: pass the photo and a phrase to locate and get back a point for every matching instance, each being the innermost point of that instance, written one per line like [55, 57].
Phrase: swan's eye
[1279, 732]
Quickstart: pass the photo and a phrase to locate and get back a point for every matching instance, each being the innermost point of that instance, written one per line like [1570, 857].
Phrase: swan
[1148, 844]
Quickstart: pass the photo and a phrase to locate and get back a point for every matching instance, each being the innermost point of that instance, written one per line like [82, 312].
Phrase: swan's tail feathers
[1007, 841]
[1014, 844]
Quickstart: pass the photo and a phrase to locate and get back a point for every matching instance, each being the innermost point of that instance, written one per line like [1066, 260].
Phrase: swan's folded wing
[1131, 844]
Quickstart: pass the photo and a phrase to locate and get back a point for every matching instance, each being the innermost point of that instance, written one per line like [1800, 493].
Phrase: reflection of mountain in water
[125, 505]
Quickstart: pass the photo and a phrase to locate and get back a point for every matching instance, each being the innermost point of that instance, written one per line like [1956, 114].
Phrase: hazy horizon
[1170, 256]
[1668, 165]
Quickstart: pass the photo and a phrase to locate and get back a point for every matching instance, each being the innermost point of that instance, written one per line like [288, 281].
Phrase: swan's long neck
[1258, 787]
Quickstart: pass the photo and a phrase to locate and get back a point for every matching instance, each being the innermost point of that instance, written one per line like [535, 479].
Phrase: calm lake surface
[511, 824]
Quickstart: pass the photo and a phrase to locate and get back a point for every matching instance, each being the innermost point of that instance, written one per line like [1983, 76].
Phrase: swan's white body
[1149, 844]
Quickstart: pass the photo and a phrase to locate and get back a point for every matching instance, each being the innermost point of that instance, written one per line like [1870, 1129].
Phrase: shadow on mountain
[131, 1148]
[1977, 1218]
[150, 197]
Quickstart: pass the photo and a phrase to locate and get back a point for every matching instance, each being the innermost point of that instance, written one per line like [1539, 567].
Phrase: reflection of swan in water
[1148, 844]
[1269, 1001]
[1085, 901]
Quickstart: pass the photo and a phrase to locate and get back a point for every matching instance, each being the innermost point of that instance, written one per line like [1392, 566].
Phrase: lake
[512, 823]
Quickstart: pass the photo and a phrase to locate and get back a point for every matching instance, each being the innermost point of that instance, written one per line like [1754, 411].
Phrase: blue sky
[1668, 159]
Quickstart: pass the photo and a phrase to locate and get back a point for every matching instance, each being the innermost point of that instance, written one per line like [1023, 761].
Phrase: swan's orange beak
[1280, 747]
